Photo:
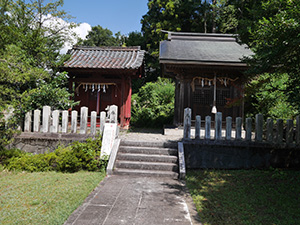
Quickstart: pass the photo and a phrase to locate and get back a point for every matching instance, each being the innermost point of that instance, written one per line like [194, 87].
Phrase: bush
[78, 156]
[153, 105]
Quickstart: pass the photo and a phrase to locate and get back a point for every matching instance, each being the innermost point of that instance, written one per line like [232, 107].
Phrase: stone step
[148, 150]
[147, 173]
[150, 144]
[147, 165]
[147, 157]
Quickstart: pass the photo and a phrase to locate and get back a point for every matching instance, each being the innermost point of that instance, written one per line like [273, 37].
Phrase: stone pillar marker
[102, 121]
[218, 126]
[93, 122]
[27, 123]
[289, 131]
[113, 114]
[74, 116]
[248, 129]
[269, 130]
[83, 119]
[65, 121]
[279, 135]
[198, 127]
[228, 127]
[259, 123]
[55, 121]
[36, 120]
[46, 118]
[207, 127]
[238, 128]
[187, 123]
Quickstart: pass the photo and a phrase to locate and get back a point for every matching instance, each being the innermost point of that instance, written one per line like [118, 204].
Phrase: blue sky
[116, 15]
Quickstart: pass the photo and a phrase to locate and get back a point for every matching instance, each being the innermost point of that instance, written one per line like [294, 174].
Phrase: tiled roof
[105, 57]
[202, 48]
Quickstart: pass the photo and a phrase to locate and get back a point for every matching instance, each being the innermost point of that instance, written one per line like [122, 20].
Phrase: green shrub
[153, 105]
[78, 156]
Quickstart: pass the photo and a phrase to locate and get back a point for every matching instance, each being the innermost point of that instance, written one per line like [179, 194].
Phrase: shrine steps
[157, 159]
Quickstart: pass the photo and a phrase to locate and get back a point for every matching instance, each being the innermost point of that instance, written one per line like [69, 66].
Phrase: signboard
[109, 135]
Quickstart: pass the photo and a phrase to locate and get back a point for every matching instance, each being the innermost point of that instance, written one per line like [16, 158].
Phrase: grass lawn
[246, 196]
[43, 198]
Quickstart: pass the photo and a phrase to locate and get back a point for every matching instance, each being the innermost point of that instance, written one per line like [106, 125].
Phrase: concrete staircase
[147, 159]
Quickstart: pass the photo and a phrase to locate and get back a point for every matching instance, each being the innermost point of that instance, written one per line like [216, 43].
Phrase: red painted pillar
[128, 103]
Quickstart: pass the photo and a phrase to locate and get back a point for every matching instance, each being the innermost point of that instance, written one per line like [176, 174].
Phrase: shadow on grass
[246, 196]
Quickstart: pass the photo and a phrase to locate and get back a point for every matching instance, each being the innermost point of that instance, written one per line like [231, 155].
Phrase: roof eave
[203, 63]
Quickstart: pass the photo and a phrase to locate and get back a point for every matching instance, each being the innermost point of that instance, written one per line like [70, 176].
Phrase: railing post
[55, 121]
[270, 130]
[238, 128]
[259, 122]
[207, 127]
[198, 127]
[64, 122]
[102, 121]
[36, 120]
[27, 123]
[218, 126]
[113, 114]
[74, 116]
[83, 119]
[248, 129]
[289, 131]
[228, 128]
[298, 130]
[93, 122]
[46, 118]
[279, 126]
[187, 123]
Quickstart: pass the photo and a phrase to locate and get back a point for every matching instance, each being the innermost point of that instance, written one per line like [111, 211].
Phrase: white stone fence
[57, 121]
[269, 132]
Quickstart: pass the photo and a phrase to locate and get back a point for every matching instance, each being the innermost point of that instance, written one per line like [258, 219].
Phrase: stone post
[198, 127]
[218, 126]
[238, 128]
[298, 130]
[270, 130]
[279, 131]
[289, 131]
[113, 114]
[102, 121]
[74, 116]
[259, 123]
[248, 129]
[65, 121]
[187, 123]
[27, 123]
[55, 121]
[83, 119]
[228, 128]
[93, 122]
[207, 127]
[46, 118]
[36, 120]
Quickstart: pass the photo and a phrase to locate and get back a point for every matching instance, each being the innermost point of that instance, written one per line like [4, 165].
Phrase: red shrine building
[101, 76]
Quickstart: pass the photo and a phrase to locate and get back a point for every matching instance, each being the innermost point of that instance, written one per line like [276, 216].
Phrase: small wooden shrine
[101, 76]
[208, 73]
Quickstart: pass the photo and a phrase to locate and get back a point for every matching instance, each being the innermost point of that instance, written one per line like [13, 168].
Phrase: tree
[31, 35]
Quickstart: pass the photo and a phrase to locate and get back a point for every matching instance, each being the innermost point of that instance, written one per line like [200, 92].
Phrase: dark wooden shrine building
[101, 76]
[208, 72]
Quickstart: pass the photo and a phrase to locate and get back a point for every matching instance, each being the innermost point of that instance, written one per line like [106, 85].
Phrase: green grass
[246, 196]
[43, 198]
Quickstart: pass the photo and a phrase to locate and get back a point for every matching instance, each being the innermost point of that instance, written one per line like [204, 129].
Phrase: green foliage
[48, 93]
[269, 94]
[78, 156]
[153, 105]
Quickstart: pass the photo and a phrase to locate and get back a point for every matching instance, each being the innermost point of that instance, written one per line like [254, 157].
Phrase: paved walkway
[137, 200]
